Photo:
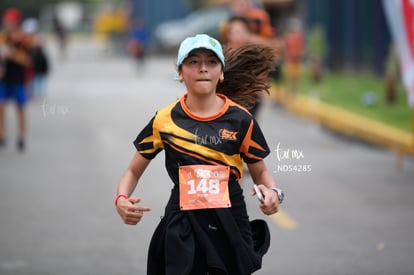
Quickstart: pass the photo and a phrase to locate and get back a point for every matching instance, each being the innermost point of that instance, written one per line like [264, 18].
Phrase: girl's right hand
[130, 212]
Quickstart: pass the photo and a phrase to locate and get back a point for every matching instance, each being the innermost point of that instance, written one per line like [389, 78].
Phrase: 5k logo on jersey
[227, 134]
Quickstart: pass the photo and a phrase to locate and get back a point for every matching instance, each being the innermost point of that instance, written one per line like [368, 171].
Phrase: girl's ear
[222, 77]
[180, 77]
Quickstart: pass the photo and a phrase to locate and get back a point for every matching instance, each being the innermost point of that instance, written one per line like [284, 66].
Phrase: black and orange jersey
[18, 45]
[227, 138]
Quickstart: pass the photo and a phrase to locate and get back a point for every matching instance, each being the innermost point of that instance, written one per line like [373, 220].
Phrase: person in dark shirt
[14, 60]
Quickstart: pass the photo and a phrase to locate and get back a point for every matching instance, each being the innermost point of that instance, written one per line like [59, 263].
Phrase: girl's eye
[192, 61]
[213, 61]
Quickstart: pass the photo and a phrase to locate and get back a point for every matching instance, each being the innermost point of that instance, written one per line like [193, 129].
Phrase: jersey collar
[208, 118]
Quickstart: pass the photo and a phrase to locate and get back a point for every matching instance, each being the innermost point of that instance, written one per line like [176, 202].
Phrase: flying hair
[245, 73]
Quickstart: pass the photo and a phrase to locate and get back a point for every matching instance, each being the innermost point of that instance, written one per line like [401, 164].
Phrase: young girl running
[206, 137]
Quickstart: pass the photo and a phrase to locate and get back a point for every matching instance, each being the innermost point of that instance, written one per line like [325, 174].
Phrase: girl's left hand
[270, 205]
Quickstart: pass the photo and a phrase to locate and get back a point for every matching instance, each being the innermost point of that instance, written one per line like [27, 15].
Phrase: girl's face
[201, 71]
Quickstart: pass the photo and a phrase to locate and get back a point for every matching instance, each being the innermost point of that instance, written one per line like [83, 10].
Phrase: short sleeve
[148, 143]
[254, 147]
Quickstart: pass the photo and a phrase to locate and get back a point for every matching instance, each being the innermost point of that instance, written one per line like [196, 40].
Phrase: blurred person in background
[294, 42]
[235, 33]
[259, 22]
[258, 18]
[40, 67]
[260, 25]
[36, 77]
[241, 30]
[60, 33]
[15, 60]
[137, 39]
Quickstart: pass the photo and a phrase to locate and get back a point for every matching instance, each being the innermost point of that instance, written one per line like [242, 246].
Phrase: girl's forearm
[267, 180]
[261, 175]
[127, 183]
[131, 176]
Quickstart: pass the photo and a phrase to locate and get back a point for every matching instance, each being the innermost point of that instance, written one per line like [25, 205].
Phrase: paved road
[347, 210]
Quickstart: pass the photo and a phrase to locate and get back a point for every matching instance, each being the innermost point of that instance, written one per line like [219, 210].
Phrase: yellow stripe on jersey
[228, 138]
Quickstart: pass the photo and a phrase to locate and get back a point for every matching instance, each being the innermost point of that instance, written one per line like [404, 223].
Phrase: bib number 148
[204, 186]
[211, 186]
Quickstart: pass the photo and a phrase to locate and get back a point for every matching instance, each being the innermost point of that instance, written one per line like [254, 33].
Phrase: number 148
[211, 186]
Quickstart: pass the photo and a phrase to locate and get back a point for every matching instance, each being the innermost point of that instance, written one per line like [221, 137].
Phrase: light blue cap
[200, 41]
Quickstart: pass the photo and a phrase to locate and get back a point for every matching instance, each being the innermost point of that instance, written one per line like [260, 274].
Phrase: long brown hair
[246, 72]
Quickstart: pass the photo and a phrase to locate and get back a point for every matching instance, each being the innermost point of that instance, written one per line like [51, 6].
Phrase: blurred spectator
[137, 39]
[250, 25]
[259, 22]
[41, 68]
[260, 25]
[294, 48]
[258, 19]
[36, 75]
[30, 26]
[235, 32]
[15, 59]
[60, 33]
[260, 28]
[317, 48]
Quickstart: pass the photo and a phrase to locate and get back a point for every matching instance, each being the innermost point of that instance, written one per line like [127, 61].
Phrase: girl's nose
[203, 67]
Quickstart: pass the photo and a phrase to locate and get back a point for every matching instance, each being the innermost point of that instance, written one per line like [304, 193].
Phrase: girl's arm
[265, 182]
[127, 207]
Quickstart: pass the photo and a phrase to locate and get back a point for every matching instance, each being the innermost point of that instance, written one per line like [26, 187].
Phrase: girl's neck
[204, 106]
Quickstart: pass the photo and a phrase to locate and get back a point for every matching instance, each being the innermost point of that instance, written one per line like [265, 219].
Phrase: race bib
[204, 186]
